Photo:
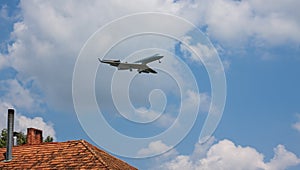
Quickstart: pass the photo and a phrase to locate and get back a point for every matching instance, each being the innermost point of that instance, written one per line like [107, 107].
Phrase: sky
[226, 95]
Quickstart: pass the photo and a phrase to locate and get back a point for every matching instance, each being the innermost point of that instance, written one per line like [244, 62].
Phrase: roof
[77, 154]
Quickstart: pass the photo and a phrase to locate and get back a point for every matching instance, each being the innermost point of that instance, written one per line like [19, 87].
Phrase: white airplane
[140, 65]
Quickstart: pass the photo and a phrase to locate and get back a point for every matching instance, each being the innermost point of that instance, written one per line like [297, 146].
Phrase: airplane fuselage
[140, 65]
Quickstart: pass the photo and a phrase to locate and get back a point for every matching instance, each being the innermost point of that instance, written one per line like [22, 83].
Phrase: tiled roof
[77, 154]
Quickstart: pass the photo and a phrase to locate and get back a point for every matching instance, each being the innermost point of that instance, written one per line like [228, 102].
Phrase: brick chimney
[34, 136]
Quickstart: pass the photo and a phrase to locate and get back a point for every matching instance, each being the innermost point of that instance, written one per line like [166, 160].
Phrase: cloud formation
[23, 122]
[227, 155]
[46, 49]
[155, 147]
[236, 22]
[22, 97]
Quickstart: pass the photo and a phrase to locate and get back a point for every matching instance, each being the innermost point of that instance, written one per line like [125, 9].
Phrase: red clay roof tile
[77, 154]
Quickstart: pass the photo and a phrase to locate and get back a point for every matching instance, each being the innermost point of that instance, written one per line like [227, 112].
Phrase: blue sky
[257, 42]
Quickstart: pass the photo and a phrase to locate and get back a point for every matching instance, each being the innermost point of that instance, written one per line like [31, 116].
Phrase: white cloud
[226, 155]
[46, 49]
[202, 148]
[297, 124]
[205, 52]
[21, 97]
[146, 113]
[282, 159]
[228, 21]
[160, 119]
[166, 119]
[154, 148]
[234, 22]
[23, 122]
[193, 101]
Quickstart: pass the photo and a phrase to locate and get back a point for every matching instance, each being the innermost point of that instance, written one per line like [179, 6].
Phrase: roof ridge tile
[85, 143]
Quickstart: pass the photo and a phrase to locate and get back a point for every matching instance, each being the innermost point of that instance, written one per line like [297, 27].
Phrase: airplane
[140, 65]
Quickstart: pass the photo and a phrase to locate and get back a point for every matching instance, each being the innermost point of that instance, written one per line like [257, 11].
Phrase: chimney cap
[9, 110]
[32, 128]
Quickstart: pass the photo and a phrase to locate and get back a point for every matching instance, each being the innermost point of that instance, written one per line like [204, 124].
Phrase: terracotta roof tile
[77, 154]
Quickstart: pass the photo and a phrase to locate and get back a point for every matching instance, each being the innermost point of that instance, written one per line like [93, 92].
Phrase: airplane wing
[141, 68]
[149, 59]
[148, 70]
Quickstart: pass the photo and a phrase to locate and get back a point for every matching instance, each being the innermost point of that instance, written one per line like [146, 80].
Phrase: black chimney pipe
[10, 130]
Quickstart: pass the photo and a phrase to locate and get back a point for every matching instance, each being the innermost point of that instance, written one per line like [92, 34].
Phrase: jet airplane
[140, 65]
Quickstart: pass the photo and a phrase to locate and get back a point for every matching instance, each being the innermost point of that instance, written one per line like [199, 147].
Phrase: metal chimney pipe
[10, 130]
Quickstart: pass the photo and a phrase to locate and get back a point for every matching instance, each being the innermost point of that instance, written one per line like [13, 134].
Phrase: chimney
[10, 130]
[15, 140]
[34, 136]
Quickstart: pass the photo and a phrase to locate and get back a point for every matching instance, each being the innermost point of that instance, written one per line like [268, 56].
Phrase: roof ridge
[85, 143]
